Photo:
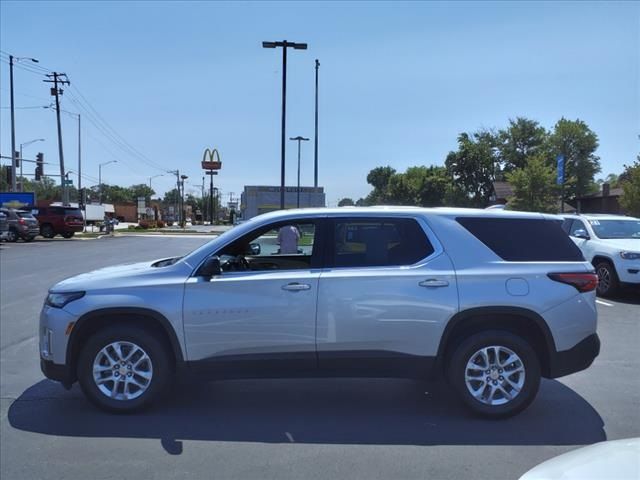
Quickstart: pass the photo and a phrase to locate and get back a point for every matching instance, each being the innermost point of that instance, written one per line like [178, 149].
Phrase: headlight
[59, 300]
[630, 255]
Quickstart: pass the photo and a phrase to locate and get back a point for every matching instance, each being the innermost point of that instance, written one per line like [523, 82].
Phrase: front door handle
[296, 287]
[433, 283]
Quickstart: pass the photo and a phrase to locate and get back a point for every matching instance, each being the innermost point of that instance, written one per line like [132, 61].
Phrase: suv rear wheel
[496, 373]
[123, 368]
[608, 282]
[68, 234]
[12, 235]
[46, 231]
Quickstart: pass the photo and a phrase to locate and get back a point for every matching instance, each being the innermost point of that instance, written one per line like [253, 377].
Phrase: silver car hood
[142, 273]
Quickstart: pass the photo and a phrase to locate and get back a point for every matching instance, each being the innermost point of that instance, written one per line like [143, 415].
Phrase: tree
[379, 178]
[578, 143]
[630, 198]
[534, 187]
[522, 139]
[361, 202]
[472, 168]
[171, 198]
[346, 202]
[141, 190]
[420, 186]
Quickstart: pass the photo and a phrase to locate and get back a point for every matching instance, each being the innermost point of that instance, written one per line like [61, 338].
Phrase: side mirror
[581, 233]
[254, 248]
[210, 267]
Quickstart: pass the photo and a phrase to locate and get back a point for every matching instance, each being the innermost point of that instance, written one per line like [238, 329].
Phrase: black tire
[159, 354]
[28, 239]
[608, 283]
[46, 231]
[68, 234]
[12, 235]
[514, 343]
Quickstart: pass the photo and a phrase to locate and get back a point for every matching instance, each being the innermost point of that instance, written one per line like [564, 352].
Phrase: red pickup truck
[54, 220]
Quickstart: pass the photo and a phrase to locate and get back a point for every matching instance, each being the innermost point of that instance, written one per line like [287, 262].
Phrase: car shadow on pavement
[315, 411]
[629, 295]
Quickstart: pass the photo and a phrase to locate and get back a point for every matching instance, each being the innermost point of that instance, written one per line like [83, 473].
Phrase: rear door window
[523, 239]
[377, 242]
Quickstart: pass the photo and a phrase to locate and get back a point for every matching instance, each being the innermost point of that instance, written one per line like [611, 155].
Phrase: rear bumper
[578, 358]
[59, 373]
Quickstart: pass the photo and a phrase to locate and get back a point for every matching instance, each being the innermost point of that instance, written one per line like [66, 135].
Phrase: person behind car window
[288, 237]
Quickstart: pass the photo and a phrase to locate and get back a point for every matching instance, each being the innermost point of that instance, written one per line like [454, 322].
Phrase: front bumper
[578, 358]
[59, 373]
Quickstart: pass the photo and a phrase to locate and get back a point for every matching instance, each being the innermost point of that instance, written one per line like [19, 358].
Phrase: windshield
[616, 228]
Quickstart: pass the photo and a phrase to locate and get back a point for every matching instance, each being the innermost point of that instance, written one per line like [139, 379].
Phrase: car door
[384, 298]
[259, 314]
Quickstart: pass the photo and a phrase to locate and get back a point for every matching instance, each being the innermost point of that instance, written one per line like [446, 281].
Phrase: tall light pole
[297, 46]
[100, 177]
[13, 119]
[315, 140]
[154, 176]
[21, 161]
[182, 215]
[299, 139]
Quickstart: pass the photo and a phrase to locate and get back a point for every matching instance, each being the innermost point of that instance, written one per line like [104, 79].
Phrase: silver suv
[491, 301]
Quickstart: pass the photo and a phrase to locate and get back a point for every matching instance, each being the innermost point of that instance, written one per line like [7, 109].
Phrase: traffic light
[16, 155]
[8, 171]
[39, 166]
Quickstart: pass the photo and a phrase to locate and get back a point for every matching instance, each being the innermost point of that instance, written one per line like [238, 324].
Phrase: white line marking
[290, 437]
[606, 304]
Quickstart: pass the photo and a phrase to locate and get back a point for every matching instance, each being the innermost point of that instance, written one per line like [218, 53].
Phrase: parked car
[612, 244]
[22, 224]
[491, 301]
[614, 459]
[4, 227]
[59, 220]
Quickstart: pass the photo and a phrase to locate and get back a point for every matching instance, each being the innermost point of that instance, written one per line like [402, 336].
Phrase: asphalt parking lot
[320, 428]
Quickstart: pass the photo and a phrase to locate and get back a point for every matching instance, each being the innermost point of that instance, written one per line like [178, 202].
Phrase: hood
[613, 459]
[117, 276]
[626, 244]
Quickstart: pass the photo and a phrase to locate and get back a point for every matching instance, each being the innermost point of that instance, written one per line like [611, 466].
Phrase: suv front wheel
[496, 373]
[607, 279]
[123, 368]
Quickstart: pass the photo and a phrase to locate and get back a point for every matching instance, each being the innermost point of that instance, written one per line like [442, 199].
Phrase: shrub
[160, 224]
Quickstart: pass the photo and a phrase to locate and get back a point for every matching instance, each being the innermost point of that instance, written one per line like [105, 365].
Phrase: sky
[157, 82]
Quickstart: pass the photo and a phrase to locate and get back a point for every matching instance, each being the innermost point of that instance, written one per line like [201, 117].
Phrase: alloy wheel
[122, 371]
[495, 375]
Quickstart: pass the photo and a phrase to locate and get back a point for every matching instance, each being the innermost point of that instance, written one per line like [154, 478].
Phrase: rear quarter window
[523, 239]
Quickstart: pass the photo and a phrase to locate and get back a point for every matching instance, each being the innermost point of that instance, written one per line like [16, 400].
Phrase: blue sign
[560, 179]
[17, 199]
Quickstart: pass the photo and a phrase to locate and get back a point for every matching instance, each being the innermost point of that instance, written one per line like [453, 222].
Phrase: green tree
[534, 187]
[630, 198]
[420, 186]
[141, 190]
[472, 168]
[361, 202]
[379, 178]
[346, 202]
[578, 143]
[522, 139]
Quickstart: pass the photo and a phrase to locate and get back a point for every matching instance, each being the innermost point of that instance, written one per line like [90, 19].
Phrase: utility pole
[299, 139]
[100, 177]
[315, 140]
[297, 46]
[13, 121]
[55, 91]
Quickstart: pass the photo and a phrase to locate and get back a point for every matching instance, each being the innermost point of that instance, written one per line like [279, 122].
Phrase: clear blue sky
[398, 82]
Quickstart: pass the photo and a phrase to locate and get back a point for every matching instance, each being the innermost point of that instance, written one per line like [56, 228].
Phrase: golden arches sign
[211, 160]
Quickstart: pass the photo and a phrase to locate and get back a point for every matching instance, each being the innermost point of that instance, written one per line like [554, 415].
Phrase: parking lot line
[606, 304]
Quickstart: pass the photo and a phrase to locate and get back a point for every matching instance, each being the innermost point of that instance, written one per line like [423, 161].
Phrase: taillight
[583, 282]
[22, 222]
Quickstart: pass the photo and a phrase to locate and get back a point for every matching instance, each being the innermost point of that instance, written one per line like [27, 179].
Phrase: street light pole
[154, 176]
[315, 140]
[299, 139]
[13, 121]
[297, 46]
[100, 178]
[182, 212]
[21, 161]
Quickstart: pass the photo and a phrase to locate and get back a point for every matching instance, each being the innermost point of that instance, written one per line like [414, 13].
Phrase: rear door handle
[433, 283]
[296, 287]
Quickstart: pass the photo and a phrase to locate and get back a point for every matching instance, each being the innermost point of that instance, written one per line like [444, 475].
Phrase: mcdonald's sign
[211, 160]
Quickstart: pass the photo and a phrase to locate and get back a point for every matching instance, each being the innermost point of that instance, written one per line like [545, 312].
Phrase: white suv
[612, 244]
[492, 301]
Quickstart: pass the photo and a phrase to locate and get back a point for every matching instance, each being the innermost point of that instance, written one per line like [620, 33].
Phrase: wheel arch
[93, 321]
[517, 320]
